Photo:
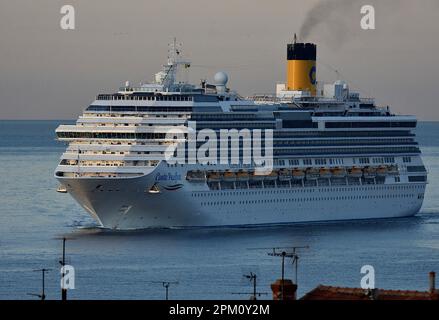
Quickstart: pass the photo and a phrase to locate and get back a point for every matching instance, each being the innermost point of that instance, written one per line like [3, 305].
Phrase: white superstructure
[336, 157]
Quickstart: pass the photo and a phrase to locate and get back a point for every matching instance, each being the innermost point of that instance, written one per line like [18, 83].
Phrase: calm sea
[208, 264]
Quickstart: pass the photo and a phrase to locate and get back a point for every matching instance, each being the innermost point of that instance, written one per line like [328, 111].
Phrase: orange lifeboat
[338, 172]
[213, 176]
[370, 172]
[355, 172]
[312, 173]
[229, 176]
[272, 176]
[325, 173]
[242, 175]
[285, 175]
[256, 177]
[298, 174]
[382, 171]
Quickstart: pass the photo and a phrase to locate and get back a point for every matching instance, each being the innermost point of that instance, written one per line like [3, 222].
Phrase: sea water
[206, 263]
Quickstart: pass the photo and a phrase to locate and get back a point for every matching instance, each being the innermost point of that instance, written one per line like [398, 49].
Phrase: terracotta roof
[341, 293]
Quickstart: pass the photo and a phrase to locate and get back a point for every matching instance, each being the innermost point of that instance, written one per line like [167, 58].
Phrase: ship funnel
[301, 67]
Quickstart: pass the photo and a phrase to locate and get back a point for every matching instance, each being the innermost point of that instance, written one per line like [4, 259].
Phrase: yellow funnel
[301, 67]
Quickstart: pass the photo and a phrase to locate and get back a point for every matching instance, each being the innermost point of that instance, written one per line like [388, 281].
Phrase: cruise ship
[335, 155]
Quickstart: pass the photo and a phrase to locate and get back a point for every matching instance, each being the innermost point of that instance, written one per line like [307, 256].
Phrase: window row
[310, 199]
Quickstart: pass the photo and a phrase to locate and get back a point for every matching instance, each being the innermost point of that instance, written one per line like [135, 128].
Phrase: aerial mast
[170, 70]
[63, 263]
[295, 262]
[166, 285]
[253, 279]
[42, 296]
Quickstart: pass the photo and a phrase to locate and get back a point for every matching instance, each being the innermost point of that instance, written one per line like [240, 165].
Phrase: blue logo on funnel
[312, 75]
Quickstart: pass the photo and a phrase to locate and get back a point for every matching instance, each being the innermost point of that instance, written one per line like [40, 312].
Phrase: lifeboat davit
[355, 172]
[298, 174]
[285, 175]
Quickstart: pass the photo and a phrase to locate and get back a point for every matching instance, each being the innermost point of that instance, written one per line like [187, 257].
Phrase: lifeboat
[355, 172]
[325, 173]
[312, 173]
[338, 172]
[256, 177]
[272, 176]
[298, 174]
[229, 176]
[242, 175]
[213, 176]
[382, 171]
[196, 176]
[393, 170]
[285, 175]
[370, 172]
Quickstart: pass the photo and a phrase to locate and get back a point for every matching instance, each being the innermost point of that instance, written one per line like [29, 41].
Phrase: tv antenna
[285, 252]
[62, 262]
[166, 285]
[253, 279]
[294, 260]
[42, 296]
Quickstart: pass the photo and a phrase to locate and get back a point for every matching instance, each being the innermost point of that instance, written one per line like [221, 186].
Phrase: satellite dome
[221, 78]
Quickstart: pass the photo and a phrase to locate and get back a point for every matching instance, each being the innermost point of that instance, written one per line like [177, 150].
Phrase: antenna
[62, 262]
[283, 253]
[253, 278]
[295, 260]
[42, 296]
[293, 255]
[341, 76]
[166, 285]
[170, 70]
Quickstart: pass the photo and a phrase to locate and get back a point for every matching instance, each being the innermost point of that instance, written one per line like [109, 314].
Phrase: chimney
[373, 294]
[432, 277]
[301, 67]
[284, 290]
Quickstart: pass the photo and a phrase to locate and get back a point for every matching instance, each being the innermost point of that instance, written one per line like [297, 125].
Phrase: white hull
[124, 204]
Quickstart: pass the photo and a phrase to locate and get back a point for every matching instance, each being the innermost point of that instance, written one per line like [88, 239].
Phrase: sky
[50, 73]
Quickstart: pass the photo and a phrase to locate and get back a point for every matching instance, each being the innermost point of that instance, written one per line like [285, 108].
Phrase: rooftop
[323, 292]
